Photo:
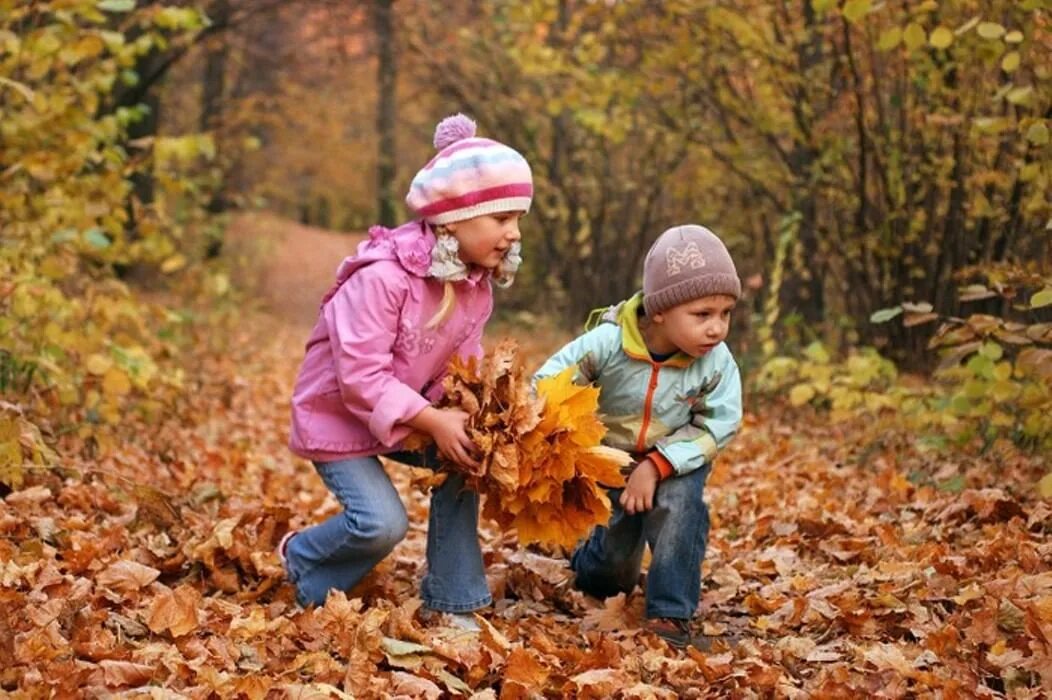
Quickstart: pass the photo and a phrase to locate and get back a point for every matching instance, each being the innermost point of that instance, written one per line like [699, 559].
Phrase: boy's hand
[638, 496]
[447, 427]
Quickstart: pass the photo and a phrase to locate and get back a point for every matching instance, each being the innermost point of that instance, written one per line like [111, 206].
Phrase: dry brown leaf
[492, 638]
[523, 667]
[314, 691]
[175, 611]
[122, 674]
[410, 686]
[253, 687]
[127, 576]
[600, 683]
[609, 618]
[645, 691]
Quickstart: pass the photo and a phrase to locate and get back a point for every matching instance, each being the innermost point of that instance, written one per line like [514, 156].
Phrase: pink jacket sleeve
[362, 319]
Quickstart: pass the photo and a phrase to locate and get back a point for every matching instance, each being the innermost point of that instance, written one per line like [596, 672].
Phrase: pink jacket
[371, 363]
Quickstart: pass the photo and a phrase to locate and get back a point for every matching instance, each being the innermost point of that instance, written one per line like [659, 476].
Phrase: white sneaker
[464, 622]
[283, 546]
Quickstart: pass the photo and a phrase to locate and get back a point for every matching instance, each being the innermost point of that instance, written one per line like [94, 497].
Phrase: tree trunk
[213, 93]
[213, 88]
[801, 291]
[386, 74]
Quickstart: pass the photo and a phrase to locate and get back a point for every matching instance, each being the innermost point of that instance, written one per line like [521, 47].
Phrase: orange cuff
[664, 467]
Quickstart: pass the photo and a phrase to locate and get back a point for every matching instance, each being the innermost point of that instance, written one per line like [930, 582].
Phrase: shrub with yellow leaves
[542, 468]
[82, 351]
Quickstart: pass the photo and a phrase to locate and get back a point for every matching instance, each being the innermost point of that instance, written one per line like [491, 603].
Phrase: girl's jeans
[339, 552]
[677, 530]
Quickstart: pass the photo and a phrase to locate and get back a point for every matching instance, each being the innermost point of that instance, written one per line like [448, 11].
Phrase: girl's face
[485, 240]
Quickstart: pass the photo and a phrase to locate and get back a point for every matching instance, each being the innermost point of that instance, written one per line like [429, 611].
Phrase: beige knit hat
[687, 263]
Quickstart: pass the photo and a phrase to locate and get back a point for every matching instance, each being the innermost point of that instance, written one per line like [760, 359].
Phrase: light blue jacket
[679, 412]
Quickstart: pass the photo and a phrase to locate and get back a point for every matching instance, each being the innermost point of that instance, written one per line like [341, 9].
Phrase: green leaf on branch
[96, 238]
[890, 39]
[992, 351]
[1041, 299]
[1020, 95]
[967, 26]
[801, 394]
[991, 30]
[885, 315]
[116, 5]
[817, 352]
[914, 36]
[1037, 134]
[854, 10]
[941, 38]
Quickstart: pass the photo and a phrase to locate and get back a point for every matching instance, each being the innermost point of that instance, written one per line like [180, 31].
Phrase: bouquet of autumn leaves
[541, 467]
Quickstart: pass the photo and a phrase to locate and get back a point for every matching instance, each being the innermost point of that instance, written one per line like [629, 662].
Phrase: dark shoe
[673, 630]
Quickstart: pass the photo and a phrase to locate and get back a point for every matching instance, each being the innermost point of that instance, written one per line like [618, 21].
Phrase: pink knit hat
[469, 177]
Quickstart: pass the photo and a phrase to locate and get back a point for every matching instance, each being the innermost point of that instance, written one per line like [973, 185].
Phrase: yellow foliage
[994, 380]
[1045, 486]
[69, 330]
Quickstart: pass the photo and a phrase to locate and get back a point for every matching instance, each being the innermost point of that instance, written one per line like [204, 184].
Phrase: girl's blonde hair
[449, 295]
[449, 302]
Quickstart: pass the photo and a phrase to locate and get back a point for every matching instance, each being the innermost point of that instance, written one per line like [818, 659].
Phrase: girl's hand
[447, 427]
[638, 496]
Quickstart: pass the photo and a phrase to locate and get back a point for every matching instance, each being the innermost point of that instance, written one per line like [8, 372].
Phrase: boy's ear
[658, 318]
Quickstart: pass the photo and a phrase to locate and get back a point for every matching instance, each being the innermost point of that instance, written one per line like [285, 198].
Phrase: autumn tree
[77, 348]
[907, 140]
[566, 83]
[867, 151]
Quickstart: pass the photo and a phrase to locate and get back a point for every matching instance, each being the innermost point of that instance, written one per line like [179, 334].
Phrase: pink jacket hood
[371, 362]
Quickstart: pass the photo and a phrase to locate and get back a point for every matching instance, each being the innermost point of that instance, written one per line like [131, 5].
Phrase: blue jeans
[677, 530]
[339, 552]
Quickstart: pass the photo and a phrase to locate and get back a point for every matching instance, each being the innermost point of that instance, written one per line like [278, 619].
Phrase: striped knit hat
[469, 177]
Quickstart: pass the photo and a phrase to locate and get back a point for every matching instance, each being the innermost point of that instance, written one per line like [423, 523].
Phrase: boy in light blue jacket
[670, 394]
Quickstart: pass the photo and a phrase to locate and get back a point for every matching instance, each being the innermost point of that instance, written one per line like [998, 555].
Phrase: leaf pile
[834, 569]
[542, 469]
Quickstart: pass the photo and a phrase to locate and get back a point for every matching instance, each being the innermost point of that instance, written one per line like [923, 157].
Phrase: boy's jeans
[338, 553]
[677, 530]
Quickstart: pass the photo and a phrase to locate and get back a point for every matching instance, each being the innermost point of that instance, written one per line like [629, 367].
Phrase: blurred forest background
[880, 170]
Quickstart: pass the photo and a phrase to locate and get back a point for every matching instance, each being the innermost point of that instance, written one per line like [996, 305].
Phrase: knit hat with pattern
[687, 263]
[469, 177]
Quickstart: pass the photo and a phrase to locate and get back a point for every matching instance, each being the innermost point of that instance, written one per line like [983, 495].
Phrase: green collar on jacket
[632, 337]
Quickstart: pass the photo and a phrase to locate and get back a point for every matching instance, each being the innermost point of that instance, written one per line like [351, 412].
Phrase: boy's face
[696, 327]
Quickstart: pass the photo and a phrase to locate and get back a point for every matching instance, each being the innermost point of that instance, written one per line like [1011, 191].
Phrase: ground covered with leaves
[836, 567]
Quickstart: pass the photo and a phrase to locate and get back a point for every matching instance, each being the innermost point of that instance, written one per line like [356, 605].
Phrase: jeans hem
[676, 614]
[447, 607]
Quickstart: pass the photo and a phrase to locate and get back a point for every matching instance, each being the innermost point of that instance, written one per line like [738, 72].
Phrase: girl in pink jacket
[401, 308]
